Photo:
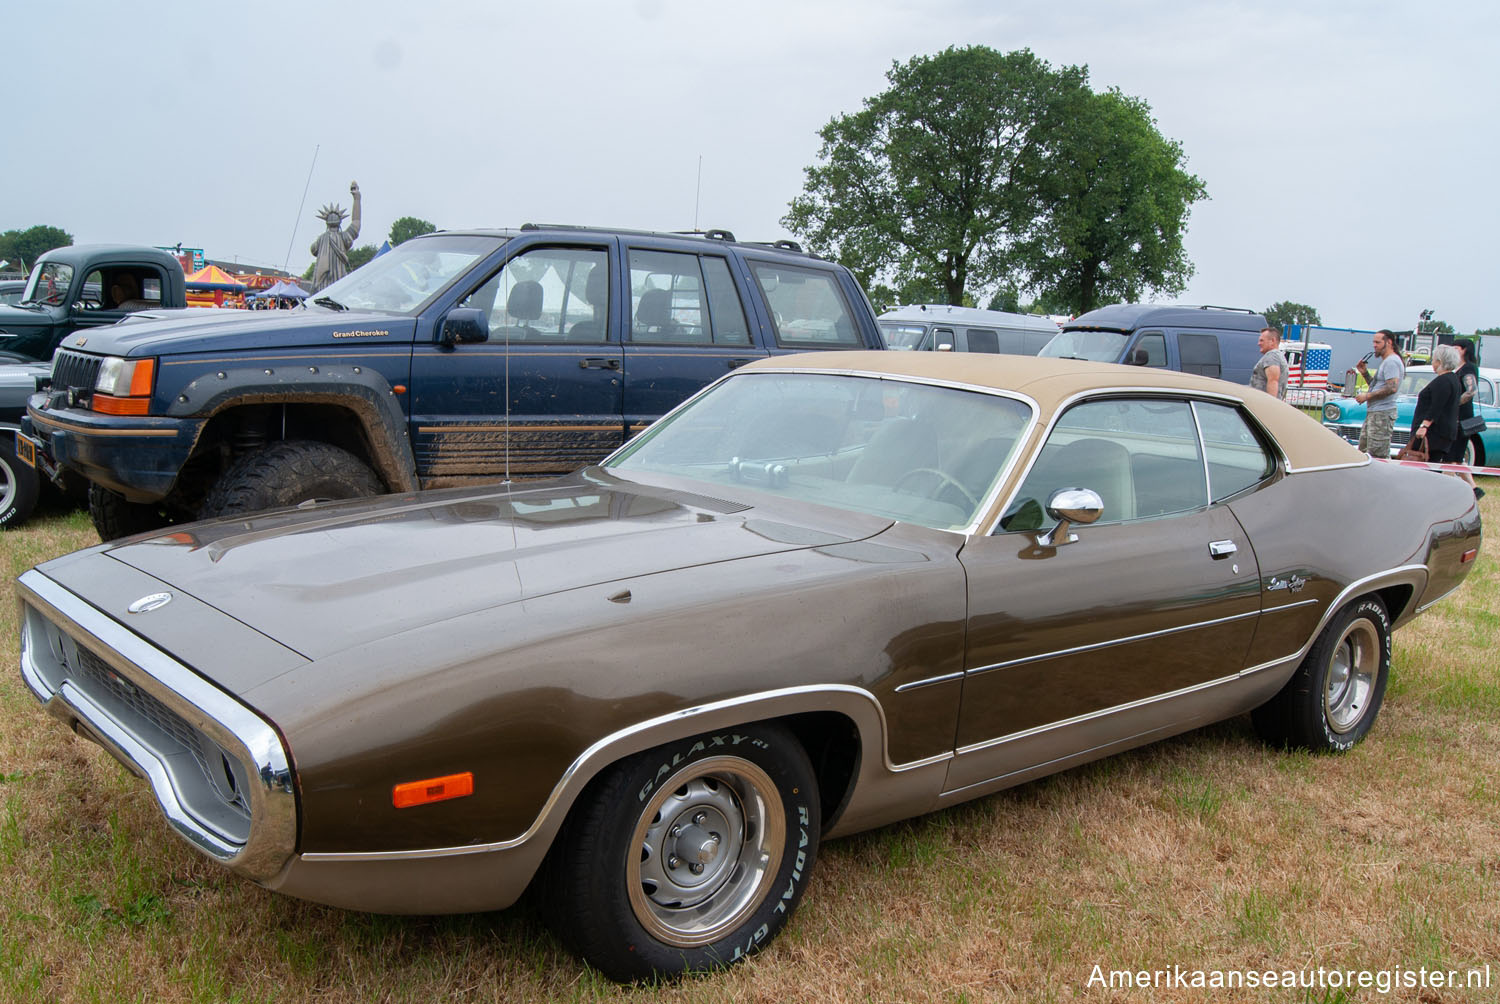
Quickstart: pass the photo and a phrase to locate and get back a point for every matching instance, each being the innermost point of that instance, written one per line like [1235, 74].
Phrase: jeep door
[686, 326]
[1160, 597]
[543, 395]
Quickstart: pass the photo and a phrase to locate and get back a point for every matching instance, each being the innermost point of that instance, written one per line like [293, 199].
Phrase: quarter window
[983, 340]
[807, 308]
[1236, 457]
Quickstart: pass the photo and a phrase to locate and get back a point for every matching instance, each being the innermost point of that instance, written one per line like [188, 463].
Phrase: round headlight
[1331, 412]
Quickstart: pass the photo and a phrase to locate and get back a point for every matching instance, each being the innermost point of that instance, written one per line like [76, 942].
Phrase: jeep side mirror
[465, 325]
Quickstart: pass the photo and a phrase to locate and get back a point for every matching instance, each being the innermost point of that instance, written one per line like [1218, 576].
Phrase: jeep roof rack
[712, 234]
[1236, 310]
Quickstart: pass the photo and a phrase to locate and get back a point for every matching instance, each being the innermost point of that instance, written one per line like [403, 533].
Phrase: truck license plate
[26, 450]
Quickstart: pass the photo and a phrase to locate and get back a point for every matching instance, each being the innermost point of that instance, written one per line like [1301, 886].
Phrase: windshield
[49, 283]
[921, 454]
[1412, 383]
[903, 337]
[1096, 346]
[402, 280]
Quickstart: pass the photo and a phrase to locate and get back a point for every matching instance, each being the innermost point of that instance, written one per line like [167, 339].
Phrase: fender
[360, 389]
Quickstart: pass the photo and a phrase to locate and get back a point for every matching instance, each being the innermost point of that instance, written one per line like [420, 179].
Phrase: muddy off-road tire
[115, 518]
[19, 484]
[286, 474]
[1331, 702]
[686, 857]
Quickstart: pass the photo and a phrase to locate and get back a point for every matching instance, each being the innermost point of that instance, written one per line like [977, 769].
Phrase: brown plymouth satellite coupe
[826, 593]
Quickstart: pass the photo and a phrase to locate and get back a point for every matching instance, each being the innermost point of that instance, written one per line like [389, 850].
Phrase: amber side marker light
[434, 789]
[1469, 556]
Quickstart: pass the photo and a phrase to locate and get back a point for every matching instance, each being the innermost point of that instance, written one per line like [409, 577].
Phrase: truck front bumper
[138, 457]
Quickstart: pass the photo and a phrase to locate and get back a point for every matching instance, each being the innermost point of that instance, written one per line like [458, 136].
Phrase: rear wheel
[1331, 702]
[689, 856]
[19, 484]
[114, 517]
[289, 473]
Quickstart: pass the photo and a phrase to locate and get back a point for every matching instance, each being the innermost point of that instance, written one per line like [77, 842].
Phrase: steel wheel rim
[8, 486]
[723, 815]
[1350, 681]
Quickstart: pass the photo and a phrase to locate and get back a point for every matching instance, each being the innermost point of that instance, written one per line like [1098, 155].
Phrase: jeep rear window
[807, 308]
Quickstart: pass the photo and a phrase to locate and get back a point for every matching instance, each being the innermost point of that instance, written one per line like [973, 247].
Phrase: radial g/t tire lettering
[1332, 699]
[686, 857]
[289, 473]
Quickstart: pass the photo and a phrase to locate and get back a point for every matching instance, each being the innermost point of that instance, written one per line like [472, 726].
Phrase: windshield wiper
[328, 301]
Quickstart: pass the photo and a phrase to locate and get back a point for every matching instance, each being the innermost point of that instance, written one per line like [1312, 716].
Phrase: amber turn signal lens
[1469, 556]
[107, 405]
[434, 789]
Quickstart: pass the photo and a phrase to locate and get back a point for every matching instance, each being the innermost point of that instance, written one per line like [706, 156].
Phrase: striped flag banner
[1315, 373]
[1488, 472]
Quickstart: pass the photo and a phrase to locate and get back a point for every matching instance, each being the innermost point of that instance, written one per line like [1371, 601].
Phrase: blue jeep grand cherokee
[459, 356]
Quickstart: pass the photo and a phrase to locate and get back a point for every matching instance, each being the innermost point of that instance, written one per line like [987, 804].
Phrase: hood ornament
[146, 604]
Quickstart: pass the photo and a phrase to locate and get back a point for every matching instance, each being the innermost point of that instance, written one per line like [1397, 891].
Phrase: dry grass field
[1206, 852]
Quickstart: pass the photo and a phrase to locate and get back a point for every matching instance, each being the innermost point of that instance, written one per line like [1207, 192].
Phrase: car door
[686, 327]
[543, 395]
[1160, 596]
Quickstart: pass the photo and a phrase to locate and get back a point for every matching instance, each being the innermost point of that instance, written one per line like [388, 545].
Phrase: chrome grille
[75, 370]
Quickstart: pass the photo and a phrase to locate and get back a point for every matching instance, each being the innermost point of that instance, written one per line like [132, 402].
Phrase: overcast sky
[1349, 149]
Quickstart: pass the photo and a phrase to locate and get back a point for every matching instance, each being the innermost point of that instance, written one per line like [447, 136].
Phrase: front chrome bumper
[219, 772]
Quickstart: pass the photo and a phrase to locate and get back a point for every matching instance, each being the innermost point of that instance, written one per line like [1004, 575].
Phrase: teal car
[1346, 416]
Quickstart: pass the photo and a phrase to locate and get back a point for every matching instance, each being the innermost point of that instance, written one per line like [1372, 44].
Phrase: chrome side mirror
[1069, 506]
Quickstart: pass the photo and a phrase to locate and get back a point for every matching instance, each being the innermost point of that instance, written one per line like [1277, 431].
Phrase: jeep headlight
[123, 386]
[1332, 412]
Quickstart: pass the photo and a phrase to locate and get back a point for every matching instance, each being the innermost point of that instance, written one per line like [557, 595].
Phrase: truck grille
[75, 370]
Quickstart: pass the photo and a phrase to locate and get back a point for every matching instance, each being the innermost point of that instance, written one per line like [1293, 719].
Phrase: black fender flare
[361, 390]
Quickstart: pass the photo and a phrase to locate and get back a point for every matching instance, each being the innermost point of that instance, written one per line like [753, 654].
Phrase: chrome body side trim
[857, 703]
[1024, 660]
[272, 833]
[917, 684]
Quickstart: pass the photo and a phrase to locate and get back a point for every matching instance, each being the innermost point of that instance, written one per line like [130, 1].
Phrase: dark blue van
[1211, 341]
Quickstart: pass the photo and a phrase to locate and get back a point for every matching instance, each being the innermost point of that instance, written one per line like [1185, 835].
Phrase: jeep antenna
[285, 265]
[698, 194]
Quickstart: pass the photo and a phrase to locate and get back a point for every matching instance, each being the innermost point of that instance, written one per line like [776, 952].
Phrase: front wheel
[288, 473]
[689, 856]
[1331, 702]
[19, 484]
[114, 517]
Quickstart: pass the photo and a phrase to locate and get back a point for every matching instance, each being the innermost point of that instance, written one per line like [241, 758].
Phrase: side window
[548, 295]
[95, 295]
[1200, 353]
[726, 312]
[1140, 455]
[1150, 350]
[1237, 459]
[807, 308]
[1486, 394]
[667, 304]
[983, 340]
[943, 340]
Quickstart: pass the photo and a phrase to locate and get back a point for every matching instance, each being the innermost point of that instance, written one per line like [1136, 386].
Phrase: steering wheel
[944, 479]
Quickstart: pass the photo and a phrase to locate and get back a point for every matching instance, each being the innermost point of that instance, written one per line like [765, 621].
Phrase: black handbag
[1472, 426]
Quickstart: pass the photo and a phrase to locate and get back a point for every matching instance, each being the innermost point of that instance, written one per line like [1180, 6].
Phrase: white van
[936, 327]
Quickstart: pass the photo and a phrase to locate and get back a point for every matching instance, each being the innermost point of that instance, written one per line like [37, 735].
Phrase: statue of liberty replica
[331, 249]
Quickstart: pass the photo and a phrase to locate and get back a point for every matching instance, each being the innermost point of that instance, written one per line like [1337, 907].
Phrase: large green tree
[22, 247]
[1114, 204]
[927, 183]
[1284, 312]
[408, 227]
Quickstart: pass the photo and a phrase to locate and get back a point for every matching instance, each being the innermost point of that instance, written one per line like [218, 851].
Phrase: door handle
[598, 363]
[1221, 548]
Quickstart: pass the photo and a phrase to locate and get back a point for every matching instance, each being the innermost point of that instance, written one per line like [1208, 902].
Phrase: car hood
[13, 318]
[339, 575]
[201, 330]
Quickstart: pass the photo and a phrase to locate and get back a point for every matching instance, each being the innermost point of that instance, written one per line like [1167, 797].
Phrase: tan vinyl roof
[1050, 382]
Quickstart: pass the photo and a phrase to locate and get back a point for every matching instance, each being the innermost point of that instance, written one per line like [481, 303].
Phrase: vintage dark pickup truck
[71, 289]
[458, 357]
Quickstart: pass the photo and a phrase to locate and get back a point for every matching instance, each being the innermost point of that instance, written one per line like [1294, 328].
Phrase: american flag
[1319, 358]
